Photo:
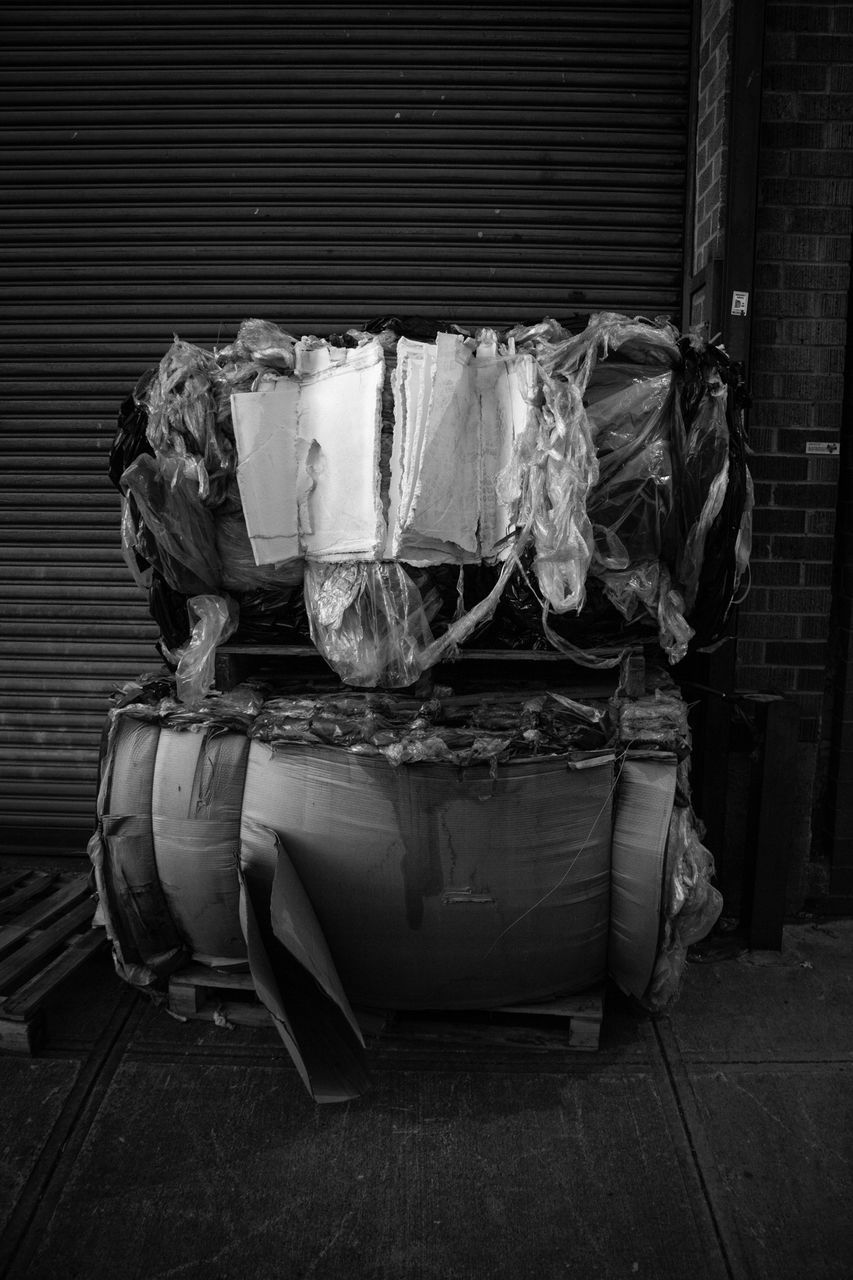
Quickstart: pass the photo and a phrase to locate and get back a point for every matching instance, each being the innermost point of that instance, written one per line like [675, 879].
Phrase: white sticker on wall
[740, 302]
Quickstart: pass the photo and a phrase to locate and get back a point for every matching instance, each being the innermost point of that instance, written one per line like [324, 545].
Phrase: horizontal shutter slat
[176, 169]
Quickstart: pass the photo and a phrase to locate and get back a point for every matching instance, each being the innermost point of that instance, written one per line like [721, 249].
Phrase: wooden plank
[43, 913]
[583, 1015]
[20, 1036]
[29, 956]
[41, 882]
[201, 975]
[200, 994]
[8, 879]
[27, 999]
[238, 1013]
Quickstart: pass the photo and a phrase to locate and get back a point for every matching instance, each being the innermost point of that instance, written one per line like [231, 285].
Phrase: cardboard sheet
[136, 911]
[294, 975]
[501, 382]
[445, 888]
[644, 803]
[308, 450]
[196, 801]
[457, 416]
[265, 425]
[340, 412]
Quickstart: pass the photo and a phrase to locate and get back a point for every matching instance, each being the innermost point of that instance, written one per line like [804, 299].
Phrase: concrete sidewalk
[715, 1142]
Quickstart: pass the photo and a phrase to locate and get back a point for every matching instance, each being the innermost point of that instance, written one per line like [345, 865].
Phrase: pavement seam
[55, 1163]
[701, 1153]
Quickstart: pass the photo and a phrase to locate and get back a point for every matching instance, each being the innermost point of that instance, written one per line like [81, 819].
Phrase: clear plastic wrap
[650, 342]
[614, 460]
[630, 413]
[189, 417]
[131, 431]
[239, 571]
[178, 522]
[140, 570]
[715, 491]
[691, 907]
[551, 473]
[368, 621]
[260, 349]
[214, 619]
[704, 483]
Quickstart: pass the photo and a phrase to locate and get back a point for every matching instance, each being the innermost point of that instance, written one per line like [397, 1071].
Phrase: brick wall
[711, 131]
[797, 365]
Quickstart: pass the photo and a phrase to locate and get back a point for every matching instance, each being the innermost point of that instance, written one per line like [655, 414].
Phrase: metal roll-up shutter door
[178, 169]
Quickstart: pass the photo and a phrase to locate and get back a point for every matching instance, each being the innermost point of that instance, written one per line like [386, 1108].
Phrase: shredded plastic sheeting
[657, 719]
[692, 906]
[240, 572]
[182, 538]
[213, 620]
[459, 730]
[188, 418]
[368, 621]
[614, 457]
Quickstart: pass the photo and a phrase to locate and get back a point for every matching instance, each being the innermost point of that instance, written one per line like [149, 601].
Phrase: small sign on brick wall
[824, 447]
[740, 302]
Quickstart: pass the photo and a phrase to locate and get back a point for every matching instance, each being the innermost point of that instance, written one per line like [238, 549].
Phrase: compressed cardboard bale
[438, 887]
[644, 802]
[195, 817]
[132, 897]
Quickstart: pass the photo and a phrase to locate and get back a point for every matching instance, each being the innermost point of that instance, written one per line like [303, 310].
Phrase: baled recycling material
[604, 470]
[352, 848]
[391, 495]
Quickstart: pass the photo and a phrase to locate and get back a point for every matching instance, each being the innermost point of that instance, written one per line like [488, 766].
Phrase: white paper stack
[501, 384]
[457, 414]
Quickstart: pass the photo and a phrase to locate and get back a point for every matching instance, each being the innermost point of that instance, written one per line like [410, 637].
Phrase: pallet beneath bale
[568, 1022]
[199, 993]
[228, 998]
[46, 935]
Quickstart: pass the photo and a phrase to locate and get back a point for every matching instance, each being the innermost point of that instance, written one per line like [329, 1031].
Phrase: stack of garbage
[390, 497]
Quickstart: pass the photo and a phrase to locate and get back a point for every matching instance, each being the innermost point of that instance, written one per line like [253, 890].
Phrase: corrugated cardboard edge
[296, 981]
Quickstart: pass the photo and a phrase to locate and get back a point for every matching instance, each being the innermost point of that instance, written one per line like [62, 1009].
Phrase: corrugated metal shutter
[177, 169]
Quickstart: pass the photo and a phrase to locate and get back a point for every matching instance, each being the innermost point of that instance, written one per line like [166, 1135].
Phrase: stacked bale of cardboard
[395, 498]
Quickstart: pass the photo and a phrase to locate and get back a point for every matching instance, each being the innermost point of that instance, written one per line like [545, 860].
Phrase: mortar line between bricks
[703, 1160]
[51, 1173]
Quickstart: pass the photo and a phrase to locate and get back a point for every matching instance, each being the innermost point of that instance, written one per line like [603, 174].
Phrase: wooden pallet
[45, 936]
[197, 992]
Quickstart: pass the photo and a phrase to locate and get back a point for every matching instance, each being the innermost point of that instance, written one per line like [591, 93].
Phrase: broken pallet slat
[23, 962]
[43, 946]
[201, 994]
[29, 997]
[45, 912]
[11, 904]
[8, 879]
[582, 1015]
